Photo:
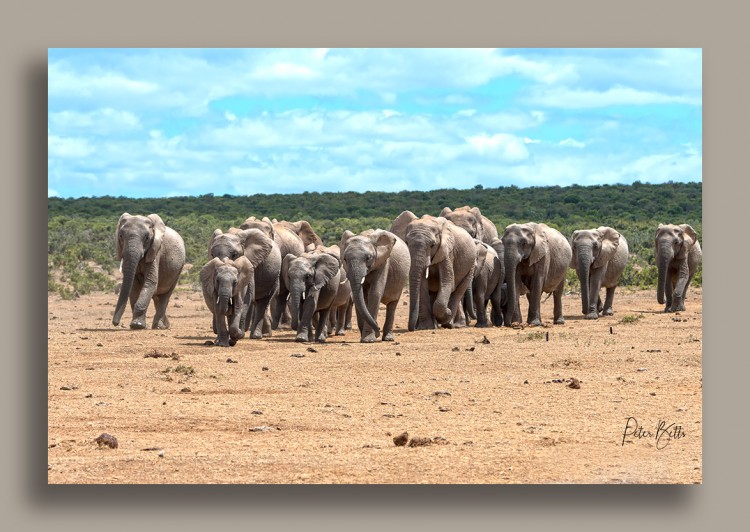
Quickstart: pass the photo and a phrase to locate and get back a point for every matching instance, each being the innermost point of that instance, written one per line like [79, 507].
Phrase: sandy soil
[498, 411]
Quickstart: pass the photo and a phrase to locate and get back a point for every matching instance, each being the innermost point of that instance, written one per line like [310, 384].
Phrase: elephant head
[524, 245]
[252, 243]
[264, 225]
[592, 249]
[672, 242]
[137, 239]
[224, 282]
[304, 230]
[362, 254]
[467, 218]
[306, 276]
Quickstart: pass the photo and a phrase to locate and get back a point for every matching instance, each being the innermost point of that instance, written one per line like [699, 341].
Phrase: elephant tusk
[427, 273]
[121, 261]
[217, 301]
[303, 296]
[363, 281]
[231, 302]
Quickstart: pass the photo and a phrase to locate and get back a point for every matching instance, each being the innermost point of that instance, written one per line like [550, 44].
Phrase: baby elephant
[599, 258]
[224, 284]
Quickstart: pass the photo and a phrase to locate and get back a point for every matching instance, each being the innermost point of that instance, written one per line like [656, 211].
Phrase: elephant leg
[595, 300]
[607, 309]
[480, 301]
[390, 316]
[259, 311]
[340, 329]
[496, 314]
[160, 313]
[278, 309]
[372, 301]
[460, 319]
[267, 329]
[470, 309]
[426, 300]
[557, 314]
[678, 296]
[668, 289]
[534, 297]
[213, 325]
[142, 302]
[349, 309]
[599, 305]
[222, 339]
[457, 296]
[322, 328]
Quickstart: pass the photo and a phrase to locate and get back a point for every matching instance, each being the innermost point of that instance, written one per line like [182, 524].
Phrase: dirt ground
[493, 405]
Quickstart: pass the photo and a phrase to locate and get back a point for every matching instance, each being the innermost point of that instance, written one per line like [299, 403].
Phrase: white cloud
[572, 143]
[103, 121]
[508, 147]
[466, 112]
[231, 117]
[527, 140]
[66, 147]
[52, 193]
[565, 98]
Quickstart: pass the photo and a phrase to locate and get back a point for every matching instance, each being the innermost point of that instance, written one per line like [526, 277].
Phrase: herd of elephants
[267, 273]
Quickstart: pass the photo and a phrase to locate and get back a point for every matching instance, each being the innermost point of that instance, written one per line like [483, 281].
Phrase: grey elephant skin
[313, 280]
[376, 263]
[472, 221]
[442, 266]
[678, 255]
[341, 307]
[599, 258]
[265, 259]
[152, 256]
[291, 237]
[536, 257]
[224, 283]
[489, 271]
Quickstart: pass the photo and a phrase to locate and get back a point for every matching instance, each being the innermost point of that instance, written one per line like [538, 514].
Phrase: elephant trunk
[356, 275]
[584, 259]
[511, 263]
[222, 304]
[664, 255]
[417, 272]
[131, 258]
[295, 296]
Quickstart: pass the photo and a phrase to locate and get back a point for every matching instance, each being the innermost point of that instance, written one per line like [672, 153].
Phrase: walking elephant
[472, 221]
[265, 260]
[678, 255]
[224, 283]
[152, 256]
[441, 269]
[342, 303]
[599, 258]
[313, 280]
[537, 257]
[376, 263]
[487, 283]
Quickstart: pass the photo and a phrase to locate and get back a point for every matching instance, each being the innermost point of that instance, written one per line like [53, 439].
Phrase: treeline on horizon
[81, 230]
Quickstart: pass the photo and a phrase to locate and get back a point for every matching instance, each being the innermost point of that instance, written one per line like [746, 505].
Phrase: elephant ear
[118, 246]
[481, 255]
[217, 232]
[383, 242]
[257, 245]
[245, 270]
[541, 248]
[573, 260]
[307, 234]
[447, 240]
[479, 225]
[326, 266]
[398, 227]
[690, 238]
[345, 236]
[497, 245]
[159, 230]
[208, 281]
[264, 225]
[609, 239]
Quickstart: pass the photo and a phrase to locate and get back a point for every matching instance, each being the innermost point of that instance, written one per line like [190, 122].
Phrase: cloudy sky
[168, 122]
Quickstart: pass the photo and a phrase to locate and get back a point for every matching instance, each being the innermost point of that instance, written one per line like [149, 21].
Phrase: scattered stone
[89, 395]
[231, 361]
[99, 344]
[621, 379]
[264, 368]
[151, 449]
[297, 355]
[653, 350]
[546, 336]
[401, 439]
[398, 354]
[525, 382]
[444, 409]
[106, 439]
[420, 442]
[257, 412]
[484, 340]
[161, 454]
[312, 350]
[611, 330]
[262, 428]
[186, 390]
[472, 348]
[439, 393]
[641, 369]
[69, 387]
[455, 349]
[574, 383]
[653, 394]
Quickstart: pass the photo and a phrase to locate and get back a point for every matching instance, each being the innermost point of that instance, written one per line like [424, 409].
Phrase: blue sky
[171, 122]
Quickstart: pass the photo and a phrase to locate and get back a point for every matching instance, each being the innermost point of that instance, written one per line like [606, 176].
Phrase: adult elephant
[224, 283]
[313, 280]
[472, 221]
[487, 283]
[291, 237]
[441, 269]
[599, 258]
[537, 257]
[678, 255]
[265, 260]
[152, 256]
[377, 264]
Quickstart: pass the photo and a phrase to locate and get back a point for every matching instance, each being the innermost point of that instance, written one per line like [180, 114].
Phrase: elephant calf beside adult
[678, 255]
[537, 257]
[599, 258]
[224, 283]
[377, 264]
[152, 256]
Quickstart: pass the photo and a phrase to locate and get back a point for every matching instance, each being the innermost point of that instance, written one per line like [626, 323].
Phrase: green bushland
[80, 231]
